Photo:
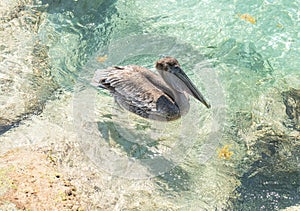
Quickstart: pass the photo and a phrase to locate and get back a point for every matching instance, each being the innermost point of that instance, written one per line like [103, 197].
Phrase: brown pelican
[147, 94]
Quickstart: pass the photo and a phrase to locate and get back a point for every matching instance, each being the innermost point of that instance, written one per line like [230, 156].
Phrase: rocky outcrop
[25, 80]
[31, 181]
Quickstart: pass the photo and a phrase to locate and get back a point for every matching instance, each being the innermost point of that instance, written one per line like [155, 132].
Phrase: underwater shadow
[175, 178]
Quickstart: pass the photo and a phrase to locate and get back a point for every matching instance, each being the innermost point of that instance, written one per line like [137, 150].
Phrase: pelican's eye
[174, 68]
[171, 64]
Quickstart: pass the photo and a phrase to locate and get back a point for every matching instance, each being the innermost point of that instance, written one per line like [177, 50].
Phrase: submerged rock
[25, 81]
[291, 101]
[272, 169]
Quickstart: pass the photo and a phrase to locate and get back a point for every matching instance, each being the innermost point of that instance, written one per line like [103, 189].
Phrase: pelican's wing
[135, 88]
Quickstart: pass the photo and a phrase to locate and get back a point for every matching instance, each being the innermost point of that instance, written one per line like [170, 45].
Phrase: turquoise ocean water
[241, 53]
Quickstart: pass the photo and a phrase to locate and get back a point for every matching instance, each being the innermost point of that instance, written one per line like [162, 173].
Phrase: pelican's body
[160, 97]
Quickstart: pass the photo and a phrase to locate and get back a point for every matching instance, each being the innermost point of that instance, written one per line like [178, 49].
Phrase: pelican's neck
[180, 97]
[182, 100]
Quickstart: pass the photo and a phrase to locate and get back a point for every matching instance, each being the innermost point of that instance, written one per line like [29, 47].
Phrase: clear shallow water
[245, 61]
[172, 140]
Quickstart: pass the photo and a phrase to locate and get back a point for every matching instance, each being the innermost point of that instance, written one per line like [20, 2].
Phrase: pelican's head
[167, 64]
[174, 76]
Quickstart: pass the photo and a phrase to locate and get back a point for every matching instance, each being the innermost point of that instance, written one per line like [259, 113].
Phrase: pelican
[162, 97]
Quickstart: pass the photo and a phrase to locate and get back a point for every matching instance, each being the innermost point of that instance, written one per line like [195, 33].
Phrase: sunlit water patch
[73, 31]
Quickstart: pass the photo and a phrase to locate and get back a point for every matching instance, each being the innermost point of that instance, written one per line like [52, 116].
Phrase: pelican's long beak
[191, 88]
